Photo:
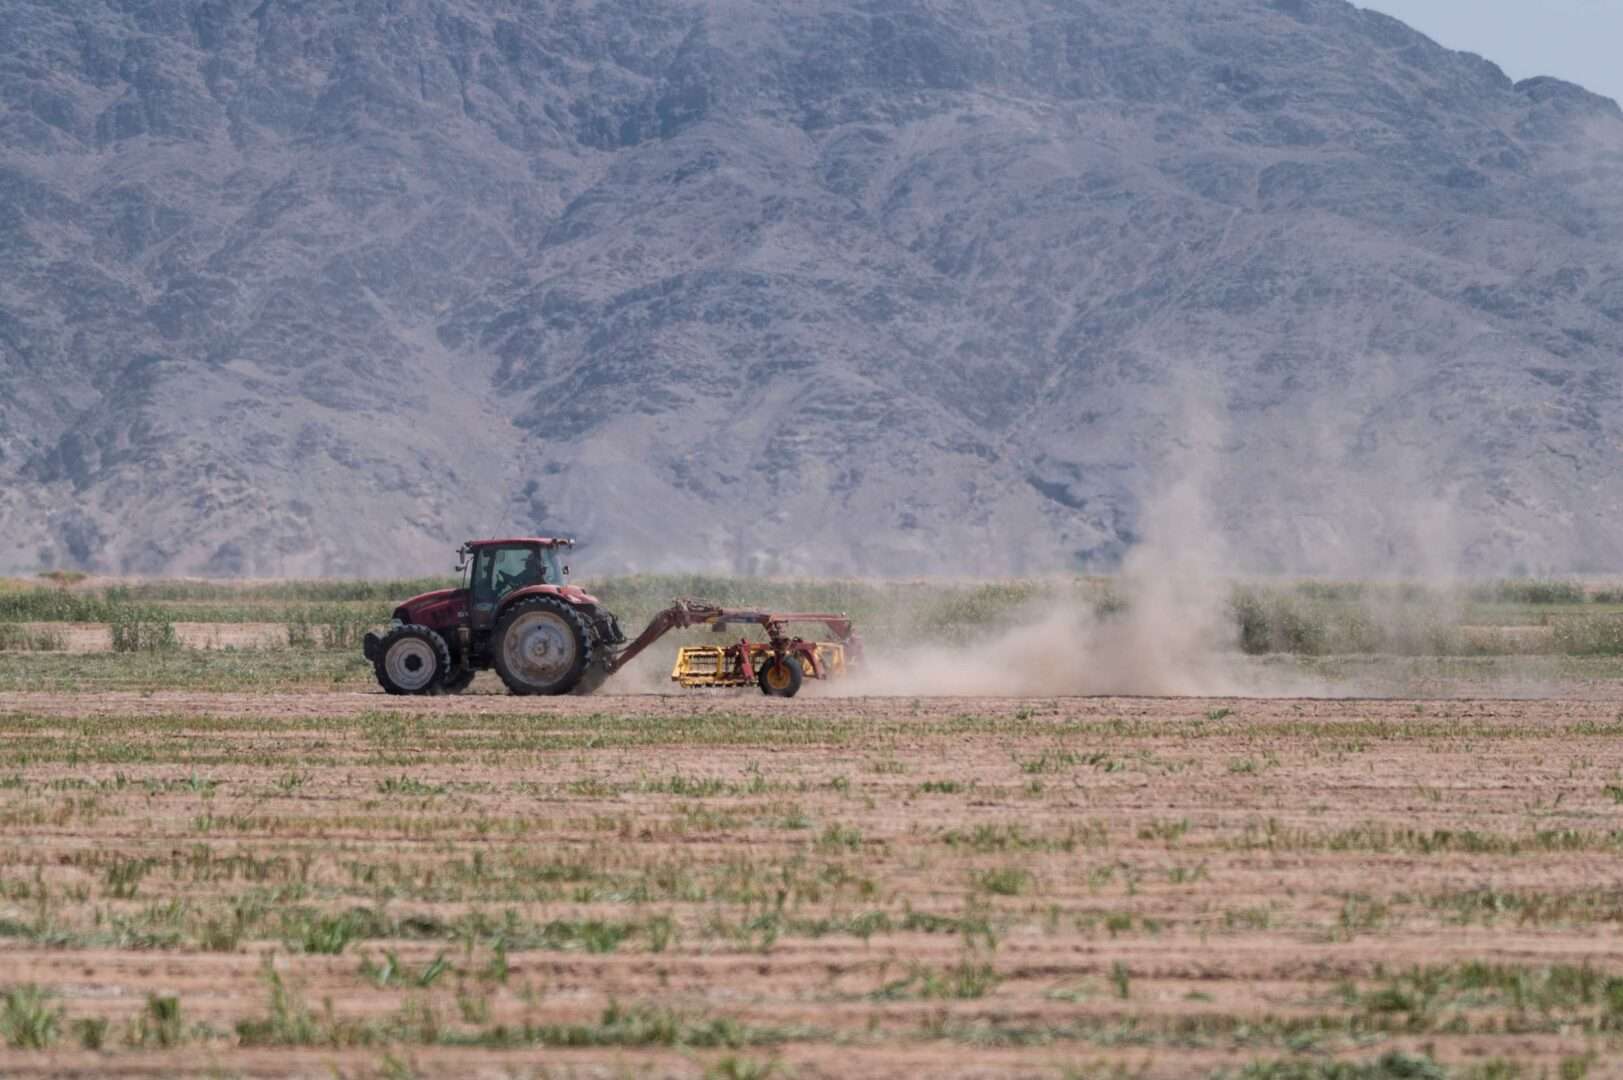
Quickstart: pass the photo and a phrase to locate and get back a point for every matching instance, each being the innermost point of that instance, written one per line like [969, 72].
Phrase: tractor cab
[491, 569]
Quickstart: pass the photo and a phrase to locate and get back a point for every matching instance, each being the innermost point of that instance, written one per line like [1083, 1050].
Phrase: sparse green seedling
[397, 1068]
[661, 931]
[737, 1068]
[409, 786]
[1122, 980]
[315, 932]
[133, 633]
[160, 1024]
[30, 1018]
[968, 979]
[1050, 761]
[1002, 881]
[1359, 914]
[91, 1032]
[838, 837]
[123, 877]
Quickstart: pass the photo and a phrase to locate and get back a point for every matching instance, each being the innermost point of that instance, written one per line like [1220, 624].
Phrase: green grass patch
[15, 638]
[30, 1018]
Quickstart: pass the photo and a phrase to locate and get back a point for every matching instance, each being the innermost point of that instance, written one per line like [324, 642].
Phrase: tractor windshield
[501, 570]
[555, 570]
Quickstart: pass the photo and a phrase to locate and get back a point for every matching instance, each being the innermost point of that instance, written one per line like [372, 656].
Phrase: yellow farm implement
[723, 665]
[777, 665]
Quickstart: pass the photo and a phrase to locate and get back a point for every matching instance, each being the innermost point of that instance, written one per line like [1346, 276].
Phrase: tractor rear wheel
[542, 646]
[411, 660]
[780, 676]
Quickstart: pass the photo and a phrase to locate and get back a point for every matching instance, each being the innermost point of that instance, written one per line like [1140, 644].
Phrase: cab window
[498, 571]
[509, 569]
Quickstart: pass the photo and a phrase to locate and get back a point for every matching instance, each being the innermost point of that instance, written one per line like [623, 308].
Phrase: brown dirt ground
[1168, 887]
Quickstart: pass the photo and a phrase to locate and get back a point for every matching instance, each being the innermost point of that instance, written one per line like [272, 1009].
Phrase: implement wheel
[780, 676]
[542, 646]
[411, 660]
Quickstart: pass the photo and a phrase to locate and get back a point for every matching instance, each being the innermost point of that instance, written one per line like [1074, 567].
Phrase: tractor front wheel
[411, 660]
[780, 676]
[542, 646]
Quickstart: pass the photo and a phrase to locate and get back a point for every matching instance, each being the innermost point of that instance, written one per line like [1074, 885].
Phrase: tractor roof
[523, 541]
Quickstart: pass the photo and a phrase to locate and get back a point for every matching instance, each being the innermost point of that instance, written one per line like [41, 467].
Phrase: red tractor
[514, 613]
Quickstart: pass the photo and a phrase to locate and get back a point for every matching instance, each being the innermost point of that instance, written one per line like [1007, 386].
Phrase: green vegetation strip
[1309, 618]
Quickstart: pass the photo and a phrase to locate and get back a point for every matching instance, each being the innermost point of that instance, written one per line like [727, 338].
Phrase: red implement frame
[687, 613]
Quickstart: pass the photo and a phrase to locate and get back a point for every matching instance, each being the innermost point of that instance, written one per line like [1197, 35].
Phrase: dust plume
[1170, 632]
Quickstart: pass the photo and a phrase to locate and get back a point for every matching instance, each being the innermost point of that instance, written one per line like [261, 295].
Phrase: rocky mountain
[912, 286]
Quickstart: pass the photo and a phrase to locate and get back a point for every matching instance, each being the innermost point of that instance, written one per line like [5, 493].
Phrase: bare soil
[824, 887]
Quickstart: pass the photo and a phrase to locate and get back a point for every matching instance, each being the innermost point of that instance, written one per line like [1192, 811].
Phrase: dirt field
[324, 884]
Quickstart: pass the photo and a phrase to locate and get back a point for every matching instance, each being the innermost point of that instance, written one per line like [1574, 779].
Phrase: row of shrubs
[1589, 635]
[65, 605]
[338, 634]
[134, 633]
[934, 603]
[1280, 621]
[360, 590]
[129, 635]
[1312, 618]
[1307, 618]
[15, 638]
[1529, 591]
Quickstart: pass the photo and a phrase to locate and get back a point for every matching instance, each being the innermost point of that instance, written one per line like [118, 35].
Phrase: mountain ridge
[299, 288]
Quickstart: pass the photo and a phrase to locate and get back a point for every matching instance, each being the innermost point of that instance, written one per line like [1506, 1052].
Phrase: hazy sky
[1577, 40]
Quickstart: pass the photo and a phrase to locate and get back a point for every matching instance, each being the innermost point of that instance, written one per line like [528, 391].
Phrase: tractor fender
[440, 609]
[569, 594]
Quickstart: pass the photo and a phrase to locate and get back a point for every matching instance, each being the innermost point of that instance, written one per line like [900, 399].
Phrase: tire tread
[442, 653]
[585, 642]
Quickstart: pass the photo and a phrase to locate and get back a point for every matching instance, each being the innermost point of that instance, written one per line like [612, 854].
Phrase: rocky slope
[324, 286]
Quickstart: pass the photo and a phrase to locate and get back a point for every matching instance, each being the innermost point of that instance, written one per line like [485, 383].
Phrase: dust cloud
[1383, 527]
[1172, 634]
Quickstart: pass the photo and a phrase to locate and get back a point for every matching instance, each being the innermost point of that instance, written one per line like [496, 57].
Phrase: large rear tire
[780, 676]
[542, 646]
[411, 660]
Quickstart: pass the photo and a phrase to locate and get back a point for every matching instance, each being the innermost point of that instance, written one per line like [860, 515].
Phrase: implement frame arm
[685, 613]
